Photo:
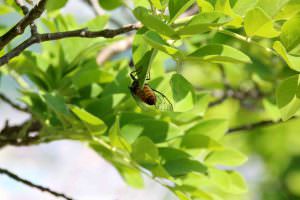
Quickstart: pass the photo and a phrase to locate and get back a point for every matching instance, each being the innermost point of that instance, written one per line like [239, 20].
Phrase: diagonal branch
[25, 10]
[33, 185]
[19, 28]
[84, 33]
[12, 104]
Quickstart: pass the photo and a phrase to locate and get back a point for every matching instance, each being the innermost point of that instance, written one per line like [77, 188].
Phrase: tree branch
[33, 185]
[12, 104]
[84, 33]
[25, 10]
[19, 28]
[20, 135]
[260, 124]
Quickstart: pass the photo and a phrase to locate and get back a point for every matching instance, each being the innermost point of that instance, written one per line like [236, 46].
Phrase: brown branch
[260, 124]
[20, 135]
[84, 33]
[33, 185]
[19, 28]
[25, 10]
[12, 104]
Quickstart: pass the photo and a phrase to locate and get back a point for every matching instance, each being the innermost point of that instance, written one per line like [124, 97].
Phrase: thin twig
[33, 185]
[260, 124]
[19, 28]
[12, 104]
[84, 33]
[25, 10]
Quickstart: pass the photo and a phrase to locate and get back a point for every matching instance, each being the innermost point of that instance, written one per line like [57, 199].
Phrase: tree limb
[20, 135]
[12, 104]
[260, 124]
[19, 28]
[33, 185]
[25, 10]
[84, 33]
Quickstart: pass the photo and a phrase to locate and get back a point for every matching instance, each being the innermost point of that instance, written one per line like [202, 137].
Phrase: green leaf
[56, 103]
[110, 4]
[145, 152]
[154, 23]
[213, 128]
[226, 157]
[258, 23]
[288, 10]
[89, 119]
[272, 110]
[224, 6]
[286, 98]
[290, 36]
[154, 40]
[183, 93]
[142, 55]
[169, 153]
[4, 9]
[238, 184]
[271, 7]
[177, 7]
[156, 130]
[55, 5]
[205, 6]
[242, 6]
[182, 167]
[217, 53]
[97, 23]
[292, 61]
[131, 176]
[203, 22]
[116, 140]
[198, 141]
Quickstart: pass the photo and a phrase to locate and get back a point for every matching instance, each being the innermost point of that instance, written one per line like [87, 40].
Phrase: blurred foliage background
[243, 94]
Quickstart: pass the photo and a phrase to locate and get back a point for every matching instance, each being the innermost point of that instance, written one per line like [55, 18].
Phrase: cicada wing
[162, 102]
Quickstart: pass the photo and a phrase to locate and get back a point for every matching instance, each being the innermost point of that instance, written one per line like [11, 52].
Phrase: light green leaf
[271, 7]
[203, 22]
[154, 40]
[145, 152]
[131, 176]
[292, 61]
[242, 6]
[217, 53]
[154, 23]
[115, 137]
[272, 110]
[290, 36]
[213, 128]
[226, 157]
[238, 184]
[88, 117]
[4, 9]
[224, 6]
[288, 10]
[286, 98]
[177, 7]
[258, 23]
[205, 6]
[183, 93]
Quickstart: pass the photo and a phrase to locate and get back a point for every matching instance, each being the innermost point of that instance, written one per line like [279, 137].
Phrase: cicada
[147, 97]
